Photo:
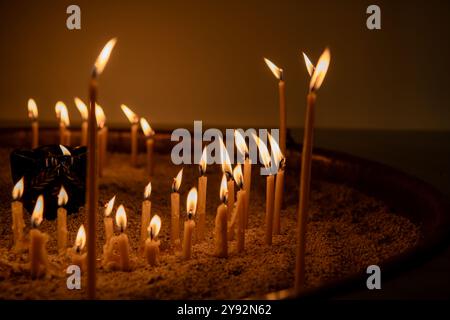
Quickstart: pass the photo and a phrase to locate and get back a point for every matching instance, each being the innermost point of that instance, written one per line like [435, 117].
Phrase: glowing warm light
[277, 155]
[277, 72]
[263, 152]
[103, 57]
[121, 218]
[63, 198]
[225, 159]
[203, 162]
[38, 212]
[131, 116]
[177, 181]
[224, 189]
[309, 65]
[82, 108]
[191, 201]
[100, 116]
[154, 226]
[148, 190]
[320, 70]
[241, 145]
[32, 109]
[80, 241]
[17, 191]
[64, 150]
[62, 114]
[146, 128]
[109, 206]
[237, 175]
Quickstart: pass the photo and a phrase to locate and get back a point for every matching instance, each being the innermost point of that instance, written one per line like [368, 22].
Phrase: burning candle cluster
[232, 214]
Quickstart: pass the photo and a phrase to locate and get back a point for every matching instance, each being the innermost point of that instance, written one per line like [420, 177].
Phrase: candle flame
[38, 212]
[61, 113]
[148, 190]
[241, 145]
[224, 189]
[146, 128]
[309, 65]
[100, 116]
[237, 175]
[121, 218]
[225, 158]
[82, 108]
[103, 57]
[320, 70]
[63, 198]
[154, 226]
[203, 161]
[109, 206]
[80, 241]
[64, 150]
[191, 201]
[277, 72]
[131, 116]
[177, 181]
[32, 109]
[18, 189]
[277, 155]
[263, 152]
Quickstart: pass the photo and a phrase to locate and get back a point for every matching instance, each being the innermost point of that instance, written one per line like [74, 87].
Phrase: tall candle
[17, 214]
[63, 198]
[278, 73]
[151, 251]
[102, 137]
[76, 253]
[175, 210]
[146, 213]
[38, 241]
[220, 227]
[149, 134]
[63, 115]
[82, 108]
[226, 168]
[189, 224]
[202, 185]
[243, 149]
[279, 161]
[305, 175]
[33, 115]
[134, 120]
[91, 174]
[240, 208]
[108, 220]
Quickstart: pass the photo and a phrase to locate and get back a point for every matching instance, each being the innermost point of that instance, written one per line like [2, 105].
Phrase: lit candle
[175, 210]
[226, 168]
[102, 138]
[119, 246]
[189, 224]
[278, 73]
[152, 243]
[202, 185]
[265, 158]
[149, 134]
[243, 149]
[82, 108]
[33, 115]
[146, 213]
[76, 253]
[63, 198]
[108, 221]
[279, 160]
[64, 122]
[91, 175]
[221, 222]
[240, 208]
[38, 241]
[305, 175]
[134, 120]
[17, 214]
